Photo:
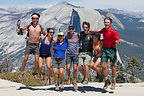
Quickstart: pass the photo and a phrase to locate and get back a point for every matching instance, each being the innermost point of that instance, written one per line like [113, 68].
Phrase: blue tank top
[59, 49]
[45, 48]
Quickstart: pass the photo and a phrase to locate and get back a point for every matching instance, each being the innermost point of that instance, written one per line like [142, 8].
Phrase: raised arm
[21, 30]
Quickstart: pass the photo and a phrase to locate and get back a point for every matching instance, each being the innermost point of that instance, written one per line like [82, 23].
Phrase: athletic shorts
[58, 62]
[94, 59]
[109, 53]
[84, 58]
[32, 48]
[71, 58]
[44, 55]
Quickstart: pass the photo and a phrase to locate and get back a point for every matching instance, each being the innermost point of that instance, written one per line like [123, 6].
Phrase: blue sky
[132, 5]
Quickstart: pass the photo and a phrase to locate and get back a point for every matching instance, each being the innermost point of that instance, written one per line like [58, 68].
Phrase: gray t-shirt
[73, 43]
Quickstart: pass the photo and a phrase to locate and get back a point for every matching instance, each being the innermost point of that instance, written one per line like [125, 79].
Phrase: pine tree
[120, 73]
[134, 68]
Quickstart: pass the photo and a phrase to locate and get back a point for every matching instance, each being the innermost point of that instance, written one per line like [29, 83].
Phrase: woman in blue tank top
[46, 43]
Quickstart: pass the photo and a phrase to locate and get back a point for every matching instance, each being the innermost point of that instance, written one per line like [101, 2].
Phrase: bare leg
[55, 78]
[23, 65]
[40, 67]
[81, 70]
[48, 63]
[113, 69]
[36, 65]
[92, 65]
[113, 76]
[86, 71]
[68, 72]
[104, 68]
[74, 71]
[96, 67]
[61, 71]
[55, 73]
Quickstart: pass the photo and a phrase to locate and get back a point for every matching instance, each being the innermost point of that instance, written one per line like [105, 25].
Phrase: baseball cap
[60, 33]
[71, 25]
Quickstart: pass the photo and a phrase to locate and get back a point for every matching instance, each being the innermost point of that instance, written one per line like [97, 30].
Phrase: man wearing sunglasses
[72, 38]
[85, 51]
[32, 44]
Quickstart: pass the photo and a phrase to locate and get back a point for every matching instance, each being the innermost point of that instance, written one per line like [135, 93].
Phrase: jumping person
[85, 51]
[97, 53]
[72, 54]
[110, 40]
[58, 62]
[46, 43]
[32, 44]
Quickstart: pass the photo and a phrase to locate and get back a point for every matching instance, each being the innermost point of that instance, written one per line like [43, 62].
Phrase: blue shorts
[71, 58]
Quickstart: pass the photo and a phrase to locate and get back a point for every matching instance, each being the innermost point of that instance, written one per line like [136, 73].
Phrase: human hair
[36, 14]
[86, 23]
[48, 29]
[96, 34]
[108, 18]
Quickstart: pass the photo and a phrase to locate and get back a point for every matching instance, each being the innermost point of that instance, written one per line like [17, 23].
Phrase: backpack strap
[28, 29]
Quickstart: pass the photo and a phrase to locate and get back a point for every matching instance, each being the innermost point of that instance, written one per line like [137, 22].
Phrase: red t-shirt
[109, 36]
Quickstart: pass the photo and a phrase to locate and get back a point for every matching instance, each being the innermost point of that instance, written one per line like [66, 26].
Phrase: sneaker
[85, 82]
[68, 81]
[56, 86]
[113, 85]
[107, 83]
[62, 86]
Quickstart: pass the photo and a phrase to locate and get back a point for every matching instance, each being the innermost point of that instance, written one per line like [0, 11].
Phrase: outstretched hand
[117, 42]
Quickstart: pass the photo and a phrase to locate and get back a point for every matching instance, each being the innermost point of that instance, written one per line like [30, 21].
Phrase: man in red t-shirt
[110, 40]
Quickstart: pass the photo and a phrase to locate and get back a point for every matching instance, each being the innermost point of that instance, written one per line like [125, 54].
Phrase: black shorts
[44, 55]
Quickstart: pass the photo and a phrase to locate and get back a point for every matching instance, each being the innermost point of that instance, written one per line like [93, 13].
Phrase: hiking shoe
[68, 81]
[107, 83]
[113, 85]
[85, 82]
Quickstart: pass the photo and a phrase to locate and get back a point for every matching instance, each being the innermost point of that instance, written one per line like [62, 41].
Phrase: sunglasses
[85, 27]
[71, 28]
[36, 18]
[51, 32]
[60, 35]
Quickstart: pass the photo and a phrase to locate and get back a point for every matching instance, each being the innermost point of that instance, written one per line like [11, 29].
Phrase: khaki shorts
[84, 58]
